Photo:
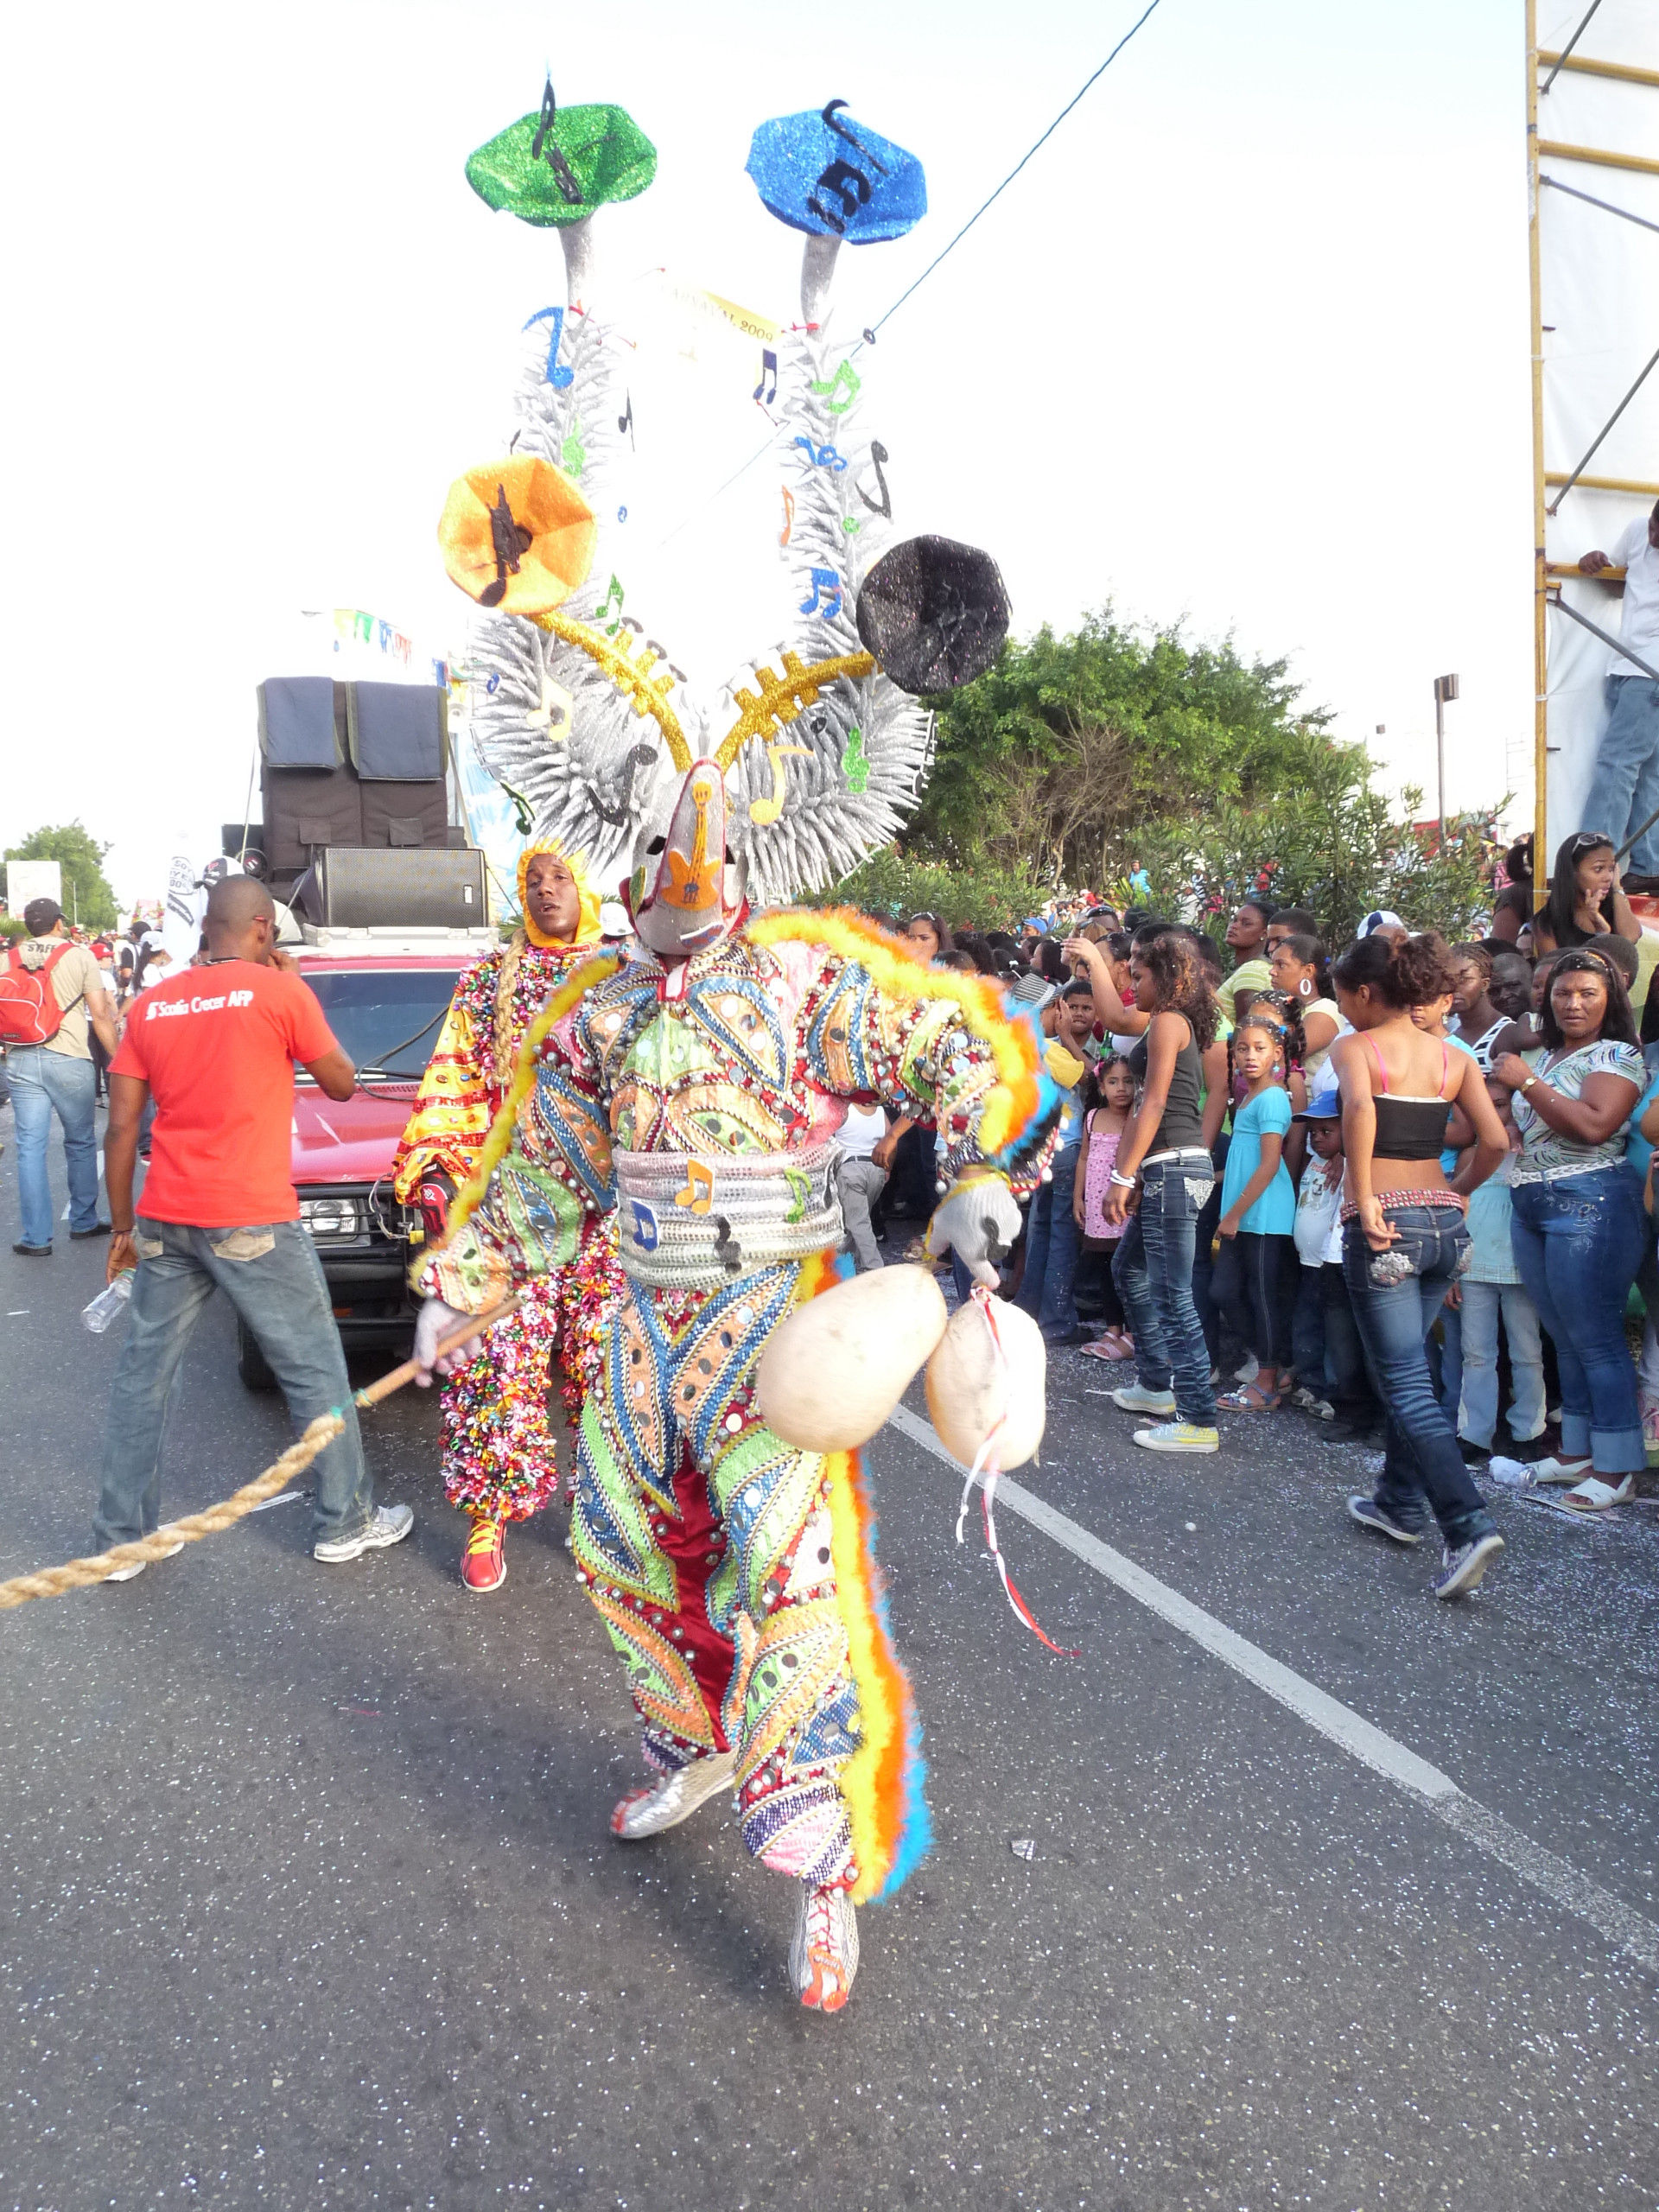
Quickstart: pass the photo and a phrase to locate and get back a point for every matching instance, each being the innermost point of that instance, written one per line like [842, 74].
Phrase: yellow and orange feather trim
[1015, 1100]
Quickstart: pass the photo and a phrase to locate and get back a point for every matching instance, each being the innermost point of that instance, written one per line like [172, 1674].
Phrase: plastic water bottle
[103, 1308]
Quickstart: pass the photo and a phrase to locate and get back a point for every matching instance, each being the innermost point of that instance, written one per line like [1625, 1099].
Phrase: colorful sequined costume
[694, 1084]
[499, 1458]
[734, 1574]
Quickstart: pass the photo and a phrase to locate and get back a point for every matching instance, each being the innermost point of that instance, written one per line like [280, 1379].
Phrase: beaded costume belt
[688, 1223]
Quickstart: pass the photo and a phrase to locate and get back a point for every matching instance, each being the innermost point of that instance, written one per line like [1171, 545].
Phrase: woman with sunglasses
[1586, 897]
[1577, 1225]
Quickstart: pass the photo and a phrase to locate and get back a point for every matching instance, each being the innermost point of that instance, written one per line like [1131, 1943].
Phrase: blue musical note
[768, 368]
[560, 378]
[642, 1225]
[823, 456]
[824, 581]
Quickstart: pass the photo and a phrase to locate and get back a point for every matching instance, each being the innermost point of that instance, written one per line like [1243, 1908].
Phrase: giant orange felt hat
[517, 535]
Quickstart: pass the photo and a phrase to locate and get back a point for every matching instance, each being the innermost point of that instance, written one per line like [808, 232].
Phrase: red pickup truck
[386, 992]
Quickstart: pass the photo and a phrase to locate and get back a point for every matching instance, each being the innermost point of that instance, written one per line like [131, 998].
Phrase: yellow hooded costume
[494, 1003]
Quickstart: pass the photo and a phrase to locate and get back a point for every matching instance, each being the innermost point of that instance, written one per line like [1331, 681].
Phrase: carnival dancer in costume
[500, 1462]
[694, 1082]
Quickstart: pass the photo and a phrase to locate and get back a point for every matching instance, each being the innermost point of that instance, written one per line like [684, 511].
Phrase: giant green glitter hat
[555, 167]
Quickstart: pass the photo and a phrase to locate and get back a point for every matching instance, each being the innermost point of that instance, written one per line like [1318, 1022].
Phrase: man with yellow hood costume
[691, 1085]
[500, 1462]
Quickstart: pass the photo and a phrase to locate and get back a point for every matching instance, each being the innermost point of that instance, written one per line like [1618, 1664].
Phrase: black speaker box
[413, 888]
[308, 807]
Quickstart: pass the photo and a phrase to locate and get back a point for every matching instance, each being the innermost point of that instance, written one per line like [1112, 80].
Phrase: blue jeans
[1053, 1242]
[1624, 789]
[1397, 1295]
[1154, 1274]
[1578, 1243]
[1308, 1332]
[271, 1274]
[43, 1084]
[1254, 1286]
[1483, 1302]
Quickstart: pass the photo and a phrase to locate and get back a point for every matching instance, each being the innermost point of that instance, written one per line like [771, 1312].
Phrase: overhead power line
[1035, 146]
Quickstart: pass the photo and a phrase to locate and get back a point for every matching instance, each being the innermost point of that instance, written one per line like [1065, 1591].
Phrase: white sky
[1245, 344]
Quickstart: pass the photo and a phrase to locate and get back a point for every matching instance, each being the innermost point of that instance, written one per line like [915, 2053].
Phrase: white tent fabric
[1600, 287]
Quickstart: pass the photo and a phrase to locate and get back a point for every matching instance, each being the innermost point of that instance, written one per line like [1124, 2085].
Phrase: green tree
[891, 886]
[1056, 756]
[86, 893]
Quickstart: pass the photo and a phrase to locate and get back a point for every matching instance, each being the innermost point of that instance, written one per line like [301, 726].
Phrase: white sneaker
[127, 1574]
[823, 1955]
[1178, 1436]
[1250, 1370]
[1134, 1398]
[390, 1524]
[665, 1804]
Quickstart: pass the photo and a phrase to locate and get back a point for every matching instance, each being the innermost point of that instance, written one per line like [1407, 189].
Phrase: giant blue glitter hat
[825, 174]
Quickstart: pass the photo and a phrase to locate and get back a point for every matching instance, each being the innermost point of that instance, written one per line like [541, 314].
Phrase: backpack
[29, 1013]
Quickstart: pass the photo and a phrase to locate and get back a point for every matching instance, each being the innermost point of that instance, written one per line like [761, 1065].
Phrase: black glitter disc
[934, 613]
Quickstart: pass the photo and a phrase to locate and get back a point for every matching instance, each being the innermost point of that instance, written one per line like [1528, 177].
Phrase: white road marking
[1555, 1878]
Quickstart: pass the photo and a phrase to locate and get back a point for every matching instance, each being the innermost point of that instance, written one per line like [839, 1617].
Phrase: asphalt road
[309, 1899]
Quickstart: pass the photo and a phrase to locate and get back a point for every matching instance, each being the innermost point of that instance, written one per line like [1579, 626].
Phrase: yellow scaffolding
[1552, 482]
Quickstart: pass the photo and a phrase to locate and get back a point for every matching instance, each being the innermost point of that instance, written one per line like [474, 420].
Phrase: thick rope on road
[78, 1574]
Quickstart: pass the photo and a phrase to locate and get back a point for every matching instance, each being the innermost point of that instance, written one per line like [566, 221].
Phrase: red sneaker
[483, 1564]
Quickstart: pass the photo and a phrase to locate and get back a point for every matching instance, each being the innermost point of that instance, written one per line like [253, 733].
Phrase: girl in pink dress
[1111, 1095]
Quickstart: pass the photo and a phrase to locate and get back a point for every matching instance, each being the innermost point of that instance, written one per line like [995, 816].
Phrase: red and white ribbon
[987, 1467]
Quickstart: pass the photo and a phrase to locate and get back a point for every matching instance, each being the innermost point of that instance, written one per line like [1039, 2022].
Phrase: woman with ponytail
[1404, 1241]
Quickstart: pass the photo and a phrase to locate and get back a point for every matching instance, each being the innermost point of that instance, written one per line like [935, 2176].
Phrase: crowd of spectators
[1404, 1191]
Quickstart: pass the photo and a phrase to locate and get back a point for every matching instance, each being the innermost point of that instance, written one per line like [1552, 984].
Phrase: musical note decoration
[934, 613]
[573, 454]
[822, 173]
[884, 507]
[765, 811]
[553, 714]
[824, 597]
[545, 144]
[823, 456]
[727, 1250]
[698, 1195]
[617, 812]
[768, 368]
[613, 591]
[847, 381]
[533, 168]
[508, 539]
[643, 1231]
[789, 516]
[624, 420]
[853, 765]
[524, 819]
[561, 379]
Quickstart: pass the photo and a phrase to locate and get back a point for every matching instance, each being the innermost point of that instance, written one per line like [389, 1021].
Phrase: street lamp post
[1445, 687]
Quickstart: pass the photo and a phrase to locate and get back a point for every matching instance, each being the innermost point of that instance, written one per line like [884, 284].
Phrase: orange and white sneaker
[484, 1563]
[823, 1956]
[673, 1797]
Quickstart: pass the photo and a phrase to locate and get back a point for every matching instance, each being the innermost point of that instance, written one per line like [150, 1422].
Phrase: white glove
[436, 1321]
[978, 1222]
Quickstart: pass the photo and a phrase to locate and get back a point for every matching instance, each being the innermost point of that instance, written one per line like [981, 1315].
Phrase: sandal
[1252, 1398]
[1113, 1346]
[1594, 1496]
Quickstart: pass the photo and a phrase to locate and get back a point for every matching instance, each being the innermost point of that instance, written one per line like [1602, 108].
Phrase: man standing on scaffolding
[1625, 790]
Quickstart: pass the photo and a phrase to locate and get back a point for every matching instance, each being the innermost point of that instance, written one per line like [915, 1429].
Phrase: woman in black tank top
[1404, 1243]
[1162, 1157]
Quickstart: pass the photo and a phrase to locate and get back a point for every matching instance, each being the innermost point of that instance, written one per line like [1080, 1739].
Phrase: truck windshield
[386, 1018]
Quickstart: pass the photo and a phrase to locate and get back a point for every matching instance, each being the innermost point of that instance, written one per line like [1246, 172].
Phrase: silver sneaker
[665, 1804]
[823, 1953]
[390, 1524]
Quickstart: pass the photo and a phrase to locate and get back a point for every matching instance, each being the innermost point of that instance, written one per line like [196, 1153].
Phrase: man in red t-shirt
[215, 1047]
